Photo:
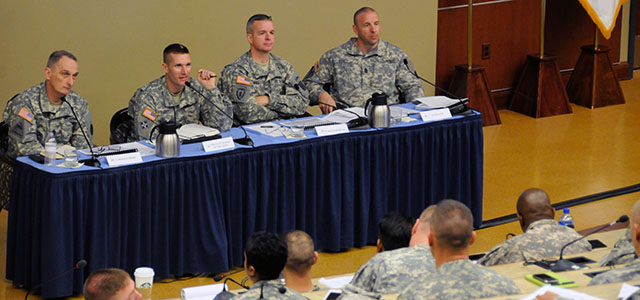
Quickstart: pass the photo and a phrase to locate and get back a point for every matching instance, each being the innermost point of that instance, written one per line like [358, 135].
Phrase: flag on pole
[603, 13]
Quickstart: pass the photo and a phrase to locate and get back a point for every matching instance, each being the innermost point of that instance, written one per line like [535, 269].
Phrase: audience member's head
[533, 205]
[422, 227]
[635, 226]
[302, 255]
[110, 284]
[451, 231]
[265, 256]
[394, 231]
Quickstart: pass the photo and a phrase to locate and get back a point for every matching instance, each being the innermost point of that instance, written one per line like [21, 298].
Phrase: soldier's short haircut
[55, 56]
[361, 10]
[172, 49]
[104, 283]
[267, 253]
[301, 251]
[452, 224]
[394, 230]
[257, 17]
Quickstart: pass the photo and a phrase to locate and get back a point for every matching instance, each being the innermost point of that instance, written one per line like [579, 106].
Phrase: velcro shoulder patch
[243, 80]
[25, 114]
[149, 114]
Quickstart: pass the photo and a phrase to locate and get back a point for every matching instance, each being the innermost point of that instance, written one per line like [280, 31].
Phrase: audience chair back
[121, 127]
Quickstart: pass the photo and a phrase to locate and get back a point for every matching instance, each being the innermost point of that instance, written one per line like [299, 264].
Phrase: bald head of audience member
[110, 284]
[635, 226]
[302, 255]
[533, 205]
[451, 232]
[422, 227]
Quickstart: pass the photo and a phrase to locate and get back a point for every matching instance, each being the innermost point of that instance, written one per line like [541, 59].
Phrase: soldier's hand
[326, 98]
[207, 78]
[262, 100]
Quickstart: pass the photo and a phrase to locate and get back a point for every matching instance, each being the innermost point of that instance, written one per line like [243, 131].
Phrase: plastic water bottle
[566, 219]
[50, 150]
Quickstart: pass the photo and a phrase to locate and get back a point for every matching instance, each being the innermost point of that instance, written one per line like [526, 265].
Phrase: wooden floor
[569, 156]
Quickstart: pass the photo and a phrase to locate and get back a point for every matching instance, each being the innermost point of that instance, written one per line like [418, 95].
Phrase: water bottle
[50, 149]
[566, 219]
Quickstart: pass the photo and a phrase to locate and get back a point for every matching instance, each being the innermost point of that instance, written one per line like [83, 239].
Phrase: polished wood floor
[573, 155]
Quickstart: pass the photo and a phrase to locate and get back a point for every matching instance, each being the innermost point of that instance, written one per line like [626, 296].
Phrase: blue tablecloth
[194, 213]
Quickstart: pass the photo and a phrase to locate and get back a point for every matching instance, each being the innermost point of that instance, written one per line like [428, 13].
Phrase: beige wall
[119, 43]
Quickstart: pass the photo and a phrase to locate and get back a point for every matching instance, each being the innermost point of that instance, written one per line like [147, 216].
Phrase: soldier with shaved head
[543, 236]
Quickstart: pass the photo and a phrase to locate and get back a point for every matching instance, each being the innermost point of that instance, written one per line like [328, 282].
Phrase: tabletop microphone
[564, 264]
[93, 161]
[79, 265]
[357, 122]
[456, 108]
[219, 277]
[225, 294]
[246, 140]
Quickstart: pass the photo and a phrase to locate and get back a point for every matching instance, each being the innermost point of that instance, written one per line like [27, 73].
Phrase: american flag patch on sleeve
[25, 114]
[149, 114]
[243, 80]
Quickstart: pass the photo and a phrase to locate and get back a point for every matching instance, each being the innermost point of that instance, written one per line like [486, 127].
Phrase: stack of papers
[192, 131]
[435, 102]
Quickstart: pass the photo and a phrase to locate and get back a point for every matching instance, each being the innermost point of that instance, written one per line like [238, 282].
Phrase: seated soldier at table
[543, 237]
[622, 252]
[264, 259]
[302, 256]
[391, 271]
[110, 284]
[632, 270]
[456, 277]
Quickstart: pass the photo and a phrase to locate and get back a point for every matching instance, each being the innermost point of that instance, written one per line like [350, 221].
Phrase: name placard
[332, 129]
[219, 144]
[435, 114]
[124, 159]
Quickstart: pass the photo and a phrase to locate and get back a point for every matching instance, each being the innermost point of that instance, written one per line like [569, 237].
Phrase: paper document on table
[436, 102]
[337, 282]
[626, 290]
[198, 292]
[397, 111]
[343, 116]
[270, 128]
[192, 131]
[144, 150]
[308, 123]
[566, 293]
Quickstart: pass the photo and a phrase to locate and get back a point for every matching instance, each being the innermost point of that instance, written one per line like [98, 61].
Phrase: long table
[193, 213]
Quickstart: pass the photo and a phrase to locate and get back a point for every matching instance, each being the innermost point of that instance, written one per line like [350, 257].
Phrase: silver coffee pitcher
[377, 110]
[168, 141]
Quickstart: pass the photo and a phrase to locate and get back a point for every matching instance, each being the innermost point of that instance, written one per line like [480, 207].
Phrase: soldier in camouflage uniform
[167, 99]
[262, 86]
[632, 270]
[264, 259]
[35, 112]
[301, 257]
[456, 277]
[622, 252]
[391, 271]
[543, 237]
[360, 67]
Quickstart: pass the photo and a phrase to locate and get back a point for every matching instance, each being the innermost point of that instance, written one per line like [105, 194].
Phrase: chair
[121, 127]
[6, 166]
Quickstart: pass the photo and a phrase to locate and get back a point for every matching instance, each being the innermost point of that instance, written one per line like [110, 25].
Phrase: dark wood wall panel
[512, 28]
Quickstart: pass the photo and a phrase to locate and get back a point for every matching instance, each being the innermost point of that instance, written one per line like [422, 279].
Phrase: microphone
[221, 276]
[93, 161]
[246, 140]
[79, 265]
[456, 108]
[564, 264]
[226, 295]
[357, 122]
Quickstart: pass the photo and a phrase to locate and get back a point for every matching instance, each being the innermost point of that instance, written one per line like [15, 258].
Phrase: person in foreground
[456, 277]
[632, 270]
[110, 284]
[264, 259]
[36, 111]
[360, 67]
[391, 271]
[543, 237]
[394, 231]
[302, 256]
[173, 97]
[261, 85]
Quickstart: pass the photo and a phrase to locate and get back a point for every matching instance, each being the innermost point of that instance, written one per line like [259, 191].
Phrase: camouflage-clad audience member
[632, 270]
[543, 237]
[262, 86]
[110, 284]
[391, 271]
[456, 277]
[622, 252]
[166, 99]
[302, 256]
[360, 67]
[34, 112]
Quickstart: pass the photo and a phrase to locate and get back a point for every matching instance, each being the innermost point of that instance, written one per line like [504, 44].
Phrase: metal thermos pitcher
[377, 110]
[168, 142]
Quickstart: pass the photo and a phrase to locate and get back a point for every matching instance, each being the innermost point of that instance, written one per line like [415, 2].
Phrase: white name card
[435, 114]
[332, 129]
[219, 144]
[124, 159]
